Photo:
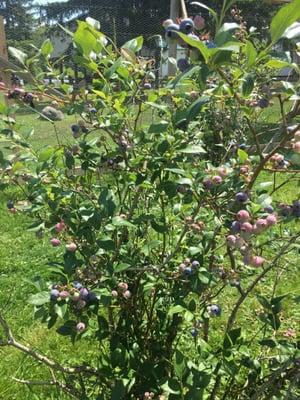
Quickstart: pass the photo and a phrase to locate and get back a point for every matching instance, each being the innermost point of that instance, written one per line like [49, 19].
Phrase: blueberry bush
[161, 208]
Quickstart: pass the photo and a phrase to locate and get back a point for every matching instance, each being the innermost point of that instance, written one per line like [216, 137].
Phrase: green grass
[24, 259]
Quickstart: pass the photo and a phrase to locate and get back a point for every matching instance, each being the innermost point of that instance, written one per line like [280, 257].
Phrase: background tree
[18, 18]
[125, 19]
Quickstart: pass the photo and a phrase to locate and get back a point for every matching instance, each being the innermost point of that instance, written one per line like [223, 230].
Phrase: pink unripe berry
[243, 216]
[199, 22]
[277, 157]
[80, 327]
[271, 219]
[123, 286]
[231, 240]
[182, 267]
[297, 135]
[114, 293]
[297, 147]
[222, 171]
[246, 227]
[72, 247]
[55, 242]
[257, 261]
[167, 23]
[127, 294]
[64, 294]
[60, 226]
[261, 225]
[244, 170]
[217, 180]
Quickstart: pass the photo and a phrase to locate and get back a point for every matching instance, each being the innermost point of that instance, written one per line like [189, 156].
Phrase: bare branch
[65, 388]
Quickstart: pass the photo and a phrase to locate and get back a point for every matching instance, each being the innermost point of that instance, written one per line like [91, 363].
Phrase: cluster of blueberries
[213, 310]
[188, 267]
[290, 210]
[187, 27]
[78, 294]
[21, 94]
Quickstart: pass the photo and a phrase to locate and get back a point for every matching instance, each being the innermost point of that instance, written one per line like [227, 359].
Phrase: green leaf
[47, 48]
[251, 53]
[264, 302]
[46, 154]
[243, 156]
[118, 391]
[194, 109]
[107, 202]
[224, 34]
[18, 54]
[179, 364]
[196, 149]
[84, 39]
[231, 338]
[61, 309]
[285, 17]
[197, 44]
[160, 127]
[247, 85]
[39, 299]
[268, 342]
[121, 267]
[134, 45]
[278, 64]
[171, 386]
[119, 221]
[176, 310]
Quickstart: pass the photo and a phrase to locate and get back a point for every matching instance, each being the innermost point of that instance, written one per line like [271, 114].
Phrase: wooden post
[184, 13]
[174, 14]
[4, 75]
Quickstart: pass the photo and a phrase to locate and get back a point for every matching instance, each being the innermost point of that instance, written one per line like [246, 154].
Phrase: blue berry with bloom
[194, 332]
[242, 197]
[77, 285]
[54, 294]
[214, 310]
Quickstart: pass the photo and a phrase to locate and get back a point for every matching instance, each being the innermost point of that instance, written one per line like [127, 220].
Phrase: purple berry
[186, 26]
[269, 209]
[263, 103]
[242, 197]
[183, 64]
[10, 205]
[188, 271]
[172, 32]
[214, 310]
[92, 297]
[194, 332]
[84, 294]
[54, 294]
[235, 227]
[195, 264]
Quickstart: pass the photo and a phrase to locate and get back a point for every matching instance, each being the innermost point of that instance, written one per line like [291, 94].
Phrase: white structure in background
[181, 53]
